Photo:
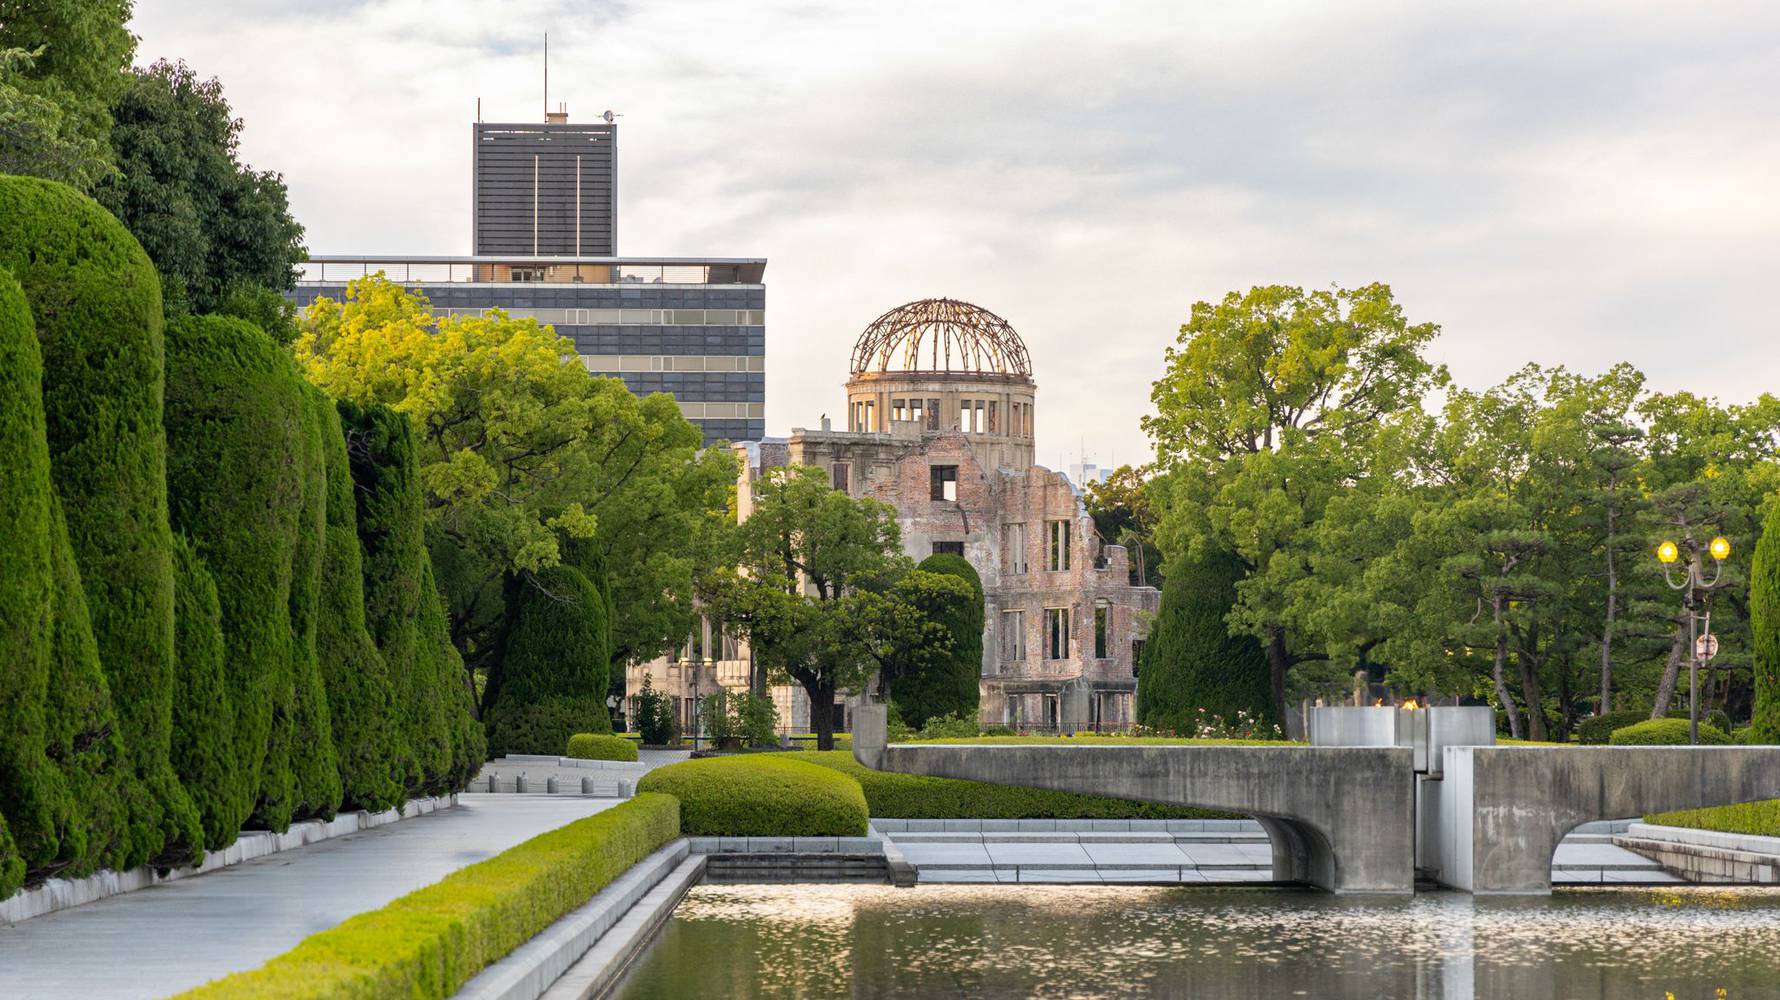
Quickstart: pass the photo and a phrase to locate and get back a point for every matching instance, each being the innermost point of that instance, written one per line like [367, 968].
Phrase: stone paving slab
[1037, 854]
[171, 937]
[1128, 855]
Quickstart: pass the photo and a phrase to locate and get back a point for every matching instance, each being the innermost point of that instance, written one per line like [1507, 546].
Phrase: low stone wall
[1706, 856]
[60, 894]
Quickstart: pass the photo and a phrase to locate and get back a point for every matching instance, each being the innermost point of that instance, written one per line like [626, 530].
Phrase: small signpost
[1705, 647]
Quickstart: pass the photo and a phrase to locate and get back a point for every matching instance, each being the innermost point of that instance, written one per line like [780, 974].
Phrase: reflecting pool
[814, 941]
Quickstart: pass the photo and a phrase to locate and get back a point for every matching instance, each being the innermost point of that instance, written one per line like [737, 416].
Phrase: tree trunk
[822, 712]
[1496, 673]
[1278, 662]
[1607, 628]
[1529, 690]
[1665, 690]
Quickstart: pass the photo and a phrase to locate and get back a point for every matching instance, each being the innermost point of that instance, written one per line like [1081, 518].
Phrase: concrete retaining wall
[60, 894]
[1706, 856]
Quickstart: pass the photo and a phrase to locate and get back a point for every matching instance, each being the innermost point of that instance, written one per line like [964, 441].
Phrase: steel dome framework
[941, 337]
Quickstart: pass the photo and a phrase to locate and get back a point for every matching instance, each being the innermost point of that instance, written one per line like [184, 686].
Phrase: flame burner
[1427, 731]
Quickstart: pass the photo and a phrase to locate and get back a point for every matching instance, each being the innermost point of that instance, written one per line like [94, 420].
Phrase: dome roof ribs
[941, 337]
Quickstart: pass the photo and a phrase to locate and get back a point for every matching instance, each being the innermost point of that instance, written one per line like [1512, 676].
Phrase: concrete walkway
[171, 937]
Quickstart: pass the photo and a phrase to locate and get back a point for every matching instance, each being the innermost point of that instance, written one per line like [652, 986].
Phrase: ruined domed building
[939, 423]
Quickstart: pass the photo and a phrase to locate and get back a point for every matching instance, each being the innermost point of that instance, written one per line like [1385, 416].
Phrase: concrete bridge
[1338, 817]
[1503, 810]
[1362, 819]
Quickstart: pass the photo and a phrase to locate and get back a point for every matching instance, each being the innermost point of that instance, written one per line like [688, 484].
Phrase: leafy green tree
[64, 62]
[40, 139]
[549, 681]
[98, 317]
[946, 680]
[1125, 514]
[210, 223]
[1191, 662]
[1264, 412]
[1764, 608]
[812, 563]
[523, 453]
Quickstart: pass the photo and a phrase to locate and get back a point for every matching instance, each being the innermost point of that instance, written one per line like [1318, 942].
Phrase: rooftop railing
[333, 270]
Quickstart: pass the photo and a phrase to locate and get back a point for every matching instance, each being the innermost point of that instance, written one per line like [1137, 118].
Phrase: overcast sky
[1576, 186]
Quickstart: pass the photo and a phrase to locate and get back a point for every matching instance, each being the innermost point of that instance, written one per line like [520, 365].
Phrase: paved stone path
[171, 937]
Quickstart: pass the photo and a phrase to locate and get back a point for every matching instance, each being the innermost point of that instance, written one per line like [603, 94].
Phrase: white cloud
[1575, 186]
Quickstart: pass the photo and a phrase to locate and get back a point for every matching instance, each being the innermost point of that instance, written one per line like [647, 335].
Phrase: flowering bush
[1206, 725]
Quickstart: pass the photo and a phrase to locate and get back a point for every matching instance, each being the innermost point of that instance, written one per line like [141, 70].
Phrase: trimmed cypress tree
[83, 727]
[97, 303]
[367, 746]
[392, 538]
[468, 746]
[548, 678]
[313, 762]
[1191, 661]
[203, 714]
[1764, 622]
[235, 422]
[33, 798]
[949, 687]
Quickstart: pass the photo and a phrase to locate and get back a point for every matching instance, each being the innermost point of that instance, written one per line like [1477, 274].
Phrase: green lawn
[1759, 818]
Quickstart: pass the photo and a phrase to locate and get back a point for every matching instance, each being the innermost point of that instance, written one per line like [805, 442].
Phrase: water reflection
[818, 941]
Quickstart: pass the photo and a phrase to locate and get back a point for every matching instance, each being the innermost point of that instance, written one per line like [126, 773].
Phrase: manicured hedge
[548, 678]
[1596, 730]
[1761, 819]
[761, 795]
[97, 305]
[1665, 732]
[910, 796]
[600, 746]
[427, 944]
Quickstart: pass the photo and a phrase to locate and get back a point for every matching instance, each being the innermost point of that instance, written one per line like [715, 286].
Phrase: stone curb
[1747, 842]
[60, 894]
[891, 826]
[608, 929]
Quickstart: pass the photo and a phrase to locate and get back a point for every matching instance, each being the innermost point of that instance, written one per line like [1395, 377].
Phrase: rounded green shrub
[235, 428]
[97, 304]
[1596, 730]
[599, 746]
[951, 686]
[761, 795]
[547, 681]
[1665, 732]
[203, 714]
[1191, 661]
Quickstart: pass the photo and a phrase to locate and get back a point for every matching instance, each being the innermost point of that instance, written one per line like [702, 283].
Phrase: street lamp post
[1691, 578]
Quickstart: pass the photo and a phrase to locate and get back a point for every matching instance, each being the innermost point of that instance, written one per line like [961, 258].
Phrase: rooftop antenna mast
[546, 75]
